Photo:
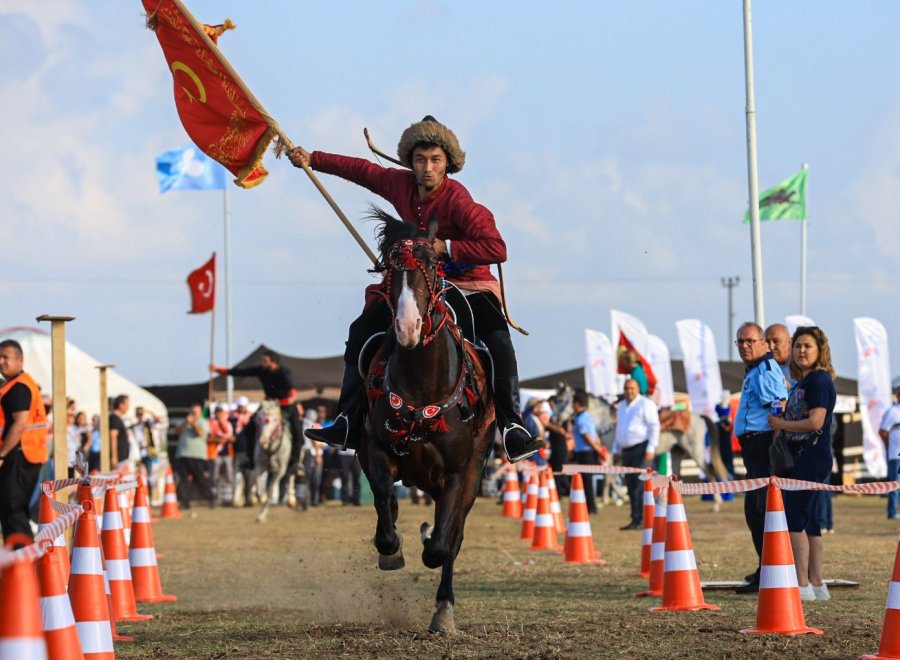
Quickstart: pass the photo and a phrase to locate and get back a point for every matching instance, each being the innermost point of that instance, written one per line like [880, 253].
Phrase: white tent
[82, 376]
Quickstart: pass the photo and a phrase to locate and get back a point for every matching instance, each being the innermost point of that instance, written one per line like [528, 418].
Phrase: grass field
[305, 585]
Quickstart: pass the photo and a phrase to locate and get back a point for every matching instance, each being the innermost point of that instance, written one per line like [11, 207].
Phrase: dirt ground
[306, 585]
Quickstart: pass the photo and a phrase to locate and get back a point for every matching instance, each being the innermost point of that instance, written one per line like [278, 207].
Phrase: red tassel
[471, 397]
[375, 392]
[440, 425]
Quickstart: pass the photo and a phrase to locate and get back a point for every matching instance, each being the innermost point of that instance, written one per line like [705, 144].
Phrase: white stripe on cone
[893, 600]
[140, 514]
[781, 576]
[544, 520]
[648, 498]
[95, 636]
[141, 557]
[86, 561]
[508, 496]
[529, 514]
[577, 497]
[118, 569]
[56, 613]
[647, 536]
[675, 513]
[680, 560]
[775, 522]
[112, 520]
[23, 648]
[578, 528]
[657, 551]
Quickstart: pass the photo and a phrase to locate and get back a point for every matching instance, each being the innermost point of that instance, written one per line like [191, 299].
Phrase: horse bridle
[401, 258]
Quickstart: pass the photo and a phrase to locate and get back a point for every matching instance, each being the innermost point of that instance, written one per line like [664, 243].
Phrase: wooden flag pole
[58, 368]
[104, 419]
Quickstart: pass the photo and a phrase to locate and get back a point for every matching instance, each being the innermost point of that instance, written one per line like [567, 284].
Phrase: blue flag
[188, 168]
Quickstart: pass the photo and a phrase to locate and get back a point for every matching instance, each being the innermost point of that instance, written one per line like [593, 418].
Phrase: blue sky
[608, 138]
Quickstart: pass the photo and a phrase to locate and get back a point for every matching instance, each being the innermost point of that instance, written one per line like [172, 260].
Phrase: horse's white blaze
[408, 323]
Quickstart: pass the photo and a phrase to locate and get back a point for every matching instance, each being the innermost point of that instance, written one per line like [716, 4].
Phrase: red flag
[625, 347]
[222, 117]
[202, 283]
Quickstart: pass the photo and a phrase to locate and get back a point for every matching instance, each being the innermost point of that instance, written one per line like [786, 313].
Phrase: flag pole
[227, 223]
[212, 348]
[803, 238]
[755, 248]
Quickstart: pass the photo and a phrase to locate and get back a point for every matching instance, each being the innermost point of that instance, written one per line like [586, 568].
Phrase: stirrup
[323, 435]
[529, 449]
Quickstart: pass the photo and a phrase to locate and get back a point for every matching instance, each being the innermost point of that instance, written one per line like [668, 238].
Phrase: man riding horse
[467, 240]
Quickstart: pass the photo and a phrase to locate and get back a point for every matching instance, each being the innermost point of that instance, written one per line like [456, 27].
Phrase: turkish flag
[202, 283]
[625, 347]
[222, 117]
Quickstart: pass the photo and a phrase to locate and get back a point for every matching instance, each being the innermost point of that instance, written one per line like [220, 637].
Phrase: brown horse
[431, 418]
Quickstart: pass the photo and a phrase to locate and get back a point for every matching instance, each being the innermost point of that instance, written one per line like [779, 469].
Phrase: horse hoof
[392, 562]
[443, 623]
[426, 531]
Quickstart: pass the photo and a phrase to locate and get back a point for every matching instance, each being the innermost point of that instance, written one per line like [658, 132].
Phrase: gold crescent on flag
[201, 90]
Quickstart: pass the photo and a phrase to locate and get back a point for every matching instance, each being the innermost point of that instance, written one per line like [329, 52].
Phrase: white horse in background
[272, 454]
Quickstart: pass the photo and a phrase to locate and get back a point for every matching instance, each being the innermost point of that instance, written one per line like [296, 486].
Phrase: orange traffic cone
[647, 532]
[544, 537]
[555, 508]
[46, 515]
[118, 570]
[125, 511]
[890, 630]
[87, 592]
[512, 504]
[530, 511]
[58, 621]
[579, 545]
[109, 604]
[142, 554]
[681, 582]
[657, 548]
[170, 500]
[20, 612]
[778, 609]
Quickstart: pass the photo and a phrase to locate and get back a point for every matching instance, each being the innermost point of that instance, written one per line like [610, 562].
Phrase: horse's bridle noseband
[401, 258]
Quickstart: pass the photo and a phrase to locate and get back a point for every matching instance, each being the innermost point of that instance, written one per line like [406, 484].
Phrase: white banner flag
[874, 382]
[661, 363]
[632, 328]
[599, 365]
[794, 321]
[701, 365]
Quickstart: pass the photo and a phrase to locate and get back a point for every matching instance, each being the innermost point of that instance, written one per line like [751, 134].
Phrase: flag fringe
[151, 21]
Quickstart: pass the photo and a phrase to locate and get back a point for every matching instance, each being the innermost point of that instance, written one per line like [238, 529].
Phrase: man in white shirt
[637, 436]
[890, 433]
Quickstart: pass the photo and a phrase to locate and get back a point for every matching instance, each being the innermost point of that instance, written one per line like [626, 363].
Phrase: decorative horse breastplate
[408, 423]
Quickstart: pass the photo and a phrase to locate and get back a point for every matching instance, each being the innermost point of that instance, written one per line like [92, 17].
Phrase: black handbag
[781, 460]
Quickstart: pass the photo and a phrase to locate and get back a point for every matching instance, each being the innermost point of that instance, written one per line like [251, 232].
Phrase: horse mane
[391, 230]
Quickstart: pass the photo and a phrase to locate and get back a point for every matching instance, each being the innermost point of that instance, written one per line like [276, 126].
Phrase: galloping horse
[273, 451]
[431, 417]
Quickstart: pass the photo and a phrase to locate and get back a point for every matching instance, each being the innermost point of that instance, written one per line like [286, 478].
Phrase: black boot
[518, 443]
[344, 433]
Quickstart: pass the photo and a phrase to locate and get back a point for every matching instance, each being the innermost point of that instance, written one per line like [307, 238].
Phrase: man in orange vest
[24, 432]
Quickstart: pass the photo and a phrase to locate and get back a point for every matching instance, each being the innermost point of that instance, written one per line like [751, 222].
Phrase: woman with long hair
[806, 426]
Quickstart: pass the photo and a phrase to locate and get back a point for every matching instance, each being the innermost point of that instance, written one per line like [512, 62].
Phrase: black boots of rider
[344, 432]
[517, 441]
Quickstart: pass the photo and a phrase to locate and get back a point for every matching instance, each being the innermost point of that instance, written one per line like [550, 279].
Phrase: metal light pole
[753, 185]
[729, 283]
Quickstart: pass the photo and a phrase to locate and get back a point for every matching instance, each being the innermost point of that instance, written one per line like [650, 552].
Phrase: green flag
[786, 201]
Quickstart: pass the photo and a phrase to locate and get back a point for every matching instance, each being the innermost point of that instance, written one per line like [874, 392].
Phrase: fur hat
[431, 131]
